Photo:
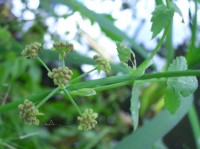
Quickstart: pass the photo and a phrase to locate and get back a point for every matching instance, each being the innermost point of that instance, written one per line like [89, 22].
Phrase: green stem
[168, 3]
[194, 121]
[194, 28]
[171, 74]
[116, 85]
[159, 43]
[124, 78]
[47, 97]
[192, 48]
[99, 82]
[147, 62]
[42, 62]
[83, 75]
[72, 101]
[63, 62]
[150, 80]
[169, 47]
[111, 86]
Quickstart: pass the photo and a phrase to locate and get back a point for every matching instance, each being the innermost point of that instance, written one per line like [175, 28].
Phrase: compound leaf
[161, 16]
[178, 86]
[185, 85]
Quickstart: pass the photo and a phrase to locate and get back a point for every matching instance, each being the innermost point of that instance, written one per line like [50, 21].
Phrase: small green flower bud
[28, 112]
[32, 50]
[63, 48]
[61, 76]
[102, 64]
[87, 120]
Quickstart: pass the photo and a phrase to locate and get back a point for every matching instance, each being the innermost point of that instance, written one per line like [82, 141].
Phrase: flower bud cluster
[87, 120]
[28, 112]
[32, 50]
[63, 48]
[61, 76]
[102, 64]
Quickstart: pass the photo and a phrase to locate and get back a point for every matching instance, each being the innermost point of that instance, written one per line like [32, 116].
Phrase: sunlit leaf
[161, 17]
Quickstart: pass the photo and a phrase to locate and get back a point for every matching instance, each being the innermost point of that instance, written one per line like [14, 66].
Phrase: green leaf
[84, 92]
[185, 85]
[126, 55]
[134, 106]
[124, 52]
[172, 99]
[178, 64]
[178, 86]
[162, 16]
[155, 129]
[175, 8]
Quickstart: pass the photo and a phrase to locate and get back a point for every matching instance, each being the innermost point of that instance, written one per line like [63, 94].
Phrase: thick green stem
[83, 75]
[151, 81]
[171, 74]
[116, 85]
[72, 101]
[47, 97]
[111, 86]
[42, 62]
[194, 121]
[124, 78]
